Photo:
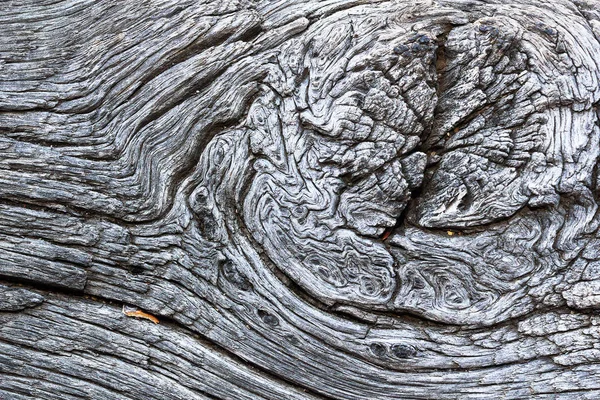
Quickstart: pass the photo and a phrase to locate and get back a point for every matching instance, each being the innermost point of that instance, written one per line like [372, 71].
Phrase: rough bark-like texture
[299, 199]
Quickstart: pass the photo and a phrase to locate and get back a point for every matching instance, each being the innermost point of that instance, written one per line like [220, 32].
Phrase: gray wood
[296, 199]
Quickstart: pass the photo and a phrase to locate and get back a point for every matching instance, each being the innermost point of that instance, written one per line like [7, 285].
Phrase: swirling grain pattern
[365, 199]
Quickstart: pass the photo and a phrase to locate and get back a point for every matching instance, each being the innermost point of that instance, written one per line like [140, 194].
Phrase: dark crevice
[27, 283]
[42, 288]
[441, 61]
[441, 84]
[440, 64]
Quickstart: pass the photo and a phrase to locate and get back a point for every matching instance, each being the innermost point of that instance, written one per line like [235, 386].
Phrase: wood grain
[314, 199]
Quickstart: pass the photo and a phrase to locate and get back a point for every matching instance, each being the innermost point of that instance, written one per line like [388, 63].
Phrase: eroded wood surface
[314, 199]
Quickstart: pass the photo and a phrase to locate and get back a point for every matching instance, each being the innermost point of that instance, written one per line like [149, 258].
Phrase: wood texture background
[337, 199]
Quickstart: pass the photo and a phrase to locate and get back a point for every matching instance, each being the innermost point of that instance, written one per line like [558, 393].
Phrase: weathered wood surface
[317, 199]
